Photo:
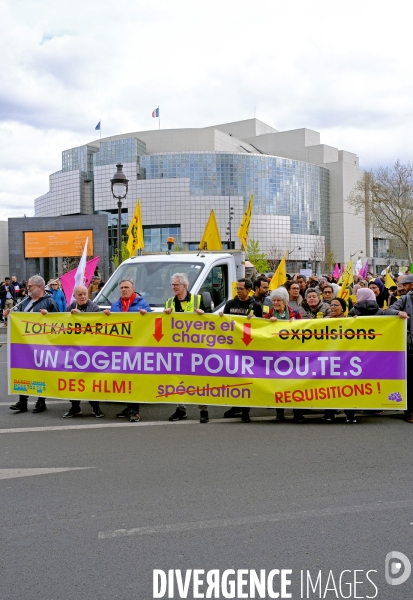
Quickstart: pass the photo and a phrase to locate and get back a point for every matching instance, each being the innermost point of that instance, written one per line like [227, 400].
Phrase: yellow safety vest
[191, 305]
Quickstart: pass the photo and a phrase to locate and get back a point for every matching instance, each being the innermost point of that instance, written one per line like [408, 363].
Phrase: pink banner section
[68, 279]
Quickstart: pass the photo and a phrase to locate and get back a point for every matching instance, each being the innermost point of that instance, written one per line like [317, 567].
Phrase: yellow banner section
[180, 358]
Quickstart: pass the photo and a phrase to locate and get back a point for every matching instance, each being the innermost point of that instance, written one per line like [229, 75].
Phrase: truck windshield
[151, 279]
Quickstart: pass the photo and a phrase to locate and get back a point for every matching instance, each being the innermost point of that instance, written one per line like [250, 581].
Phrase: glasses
[176, 284]
[335, 305]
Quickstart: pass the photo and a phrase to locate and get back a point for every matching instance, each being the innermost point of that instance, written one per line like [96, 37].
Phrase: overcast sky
[341, 68]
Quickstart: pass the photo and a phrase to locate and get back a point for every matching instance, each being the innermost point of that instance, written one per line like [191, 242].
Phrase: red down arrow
[158, 335]
[247, 337]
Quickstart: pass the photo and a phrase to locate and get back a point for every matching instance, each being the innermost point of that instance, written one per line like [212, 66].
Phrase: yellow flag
[348, 271]
[344, 291]
[211, 240]
[135, 232]
[245, 225]
[388, 280]
[280, 275]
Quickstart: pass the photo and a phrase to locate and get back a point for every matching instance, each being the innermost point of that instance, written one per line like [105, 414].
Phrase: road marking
[51, 403]
[13, 473]
[236, 522]
[127, 424]
[110, 425]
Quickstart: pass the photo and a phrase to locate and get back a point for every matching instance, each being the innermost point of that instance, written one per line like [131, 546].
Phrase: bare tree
[274, 256]
[385, 196]
[318, 254]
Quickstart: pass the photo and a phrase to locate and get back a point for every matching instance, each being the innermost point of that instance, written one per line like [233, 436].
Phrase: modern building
[300, 187]
[58, 240]
[4, 250]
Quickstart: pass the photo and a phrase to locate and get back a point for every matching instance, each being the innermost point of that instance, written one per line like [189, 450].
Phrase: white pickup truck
[207, 271]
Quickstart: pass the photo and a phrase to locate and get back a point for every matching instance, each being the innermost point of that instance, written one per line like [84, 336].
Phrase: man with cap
[404, 309]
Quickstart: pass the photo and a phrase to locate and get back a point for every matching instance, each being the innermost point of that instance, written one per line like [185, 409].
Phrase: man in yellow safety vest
[184, 301]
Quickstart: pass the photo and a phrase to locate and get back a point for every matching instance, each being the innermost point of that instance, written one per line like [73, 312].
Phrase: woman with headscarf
[366, 305]
[381, 293]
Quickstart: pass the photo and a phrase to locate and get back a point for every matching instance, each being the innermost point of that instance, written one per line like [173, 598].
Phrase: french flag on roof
[155, 113]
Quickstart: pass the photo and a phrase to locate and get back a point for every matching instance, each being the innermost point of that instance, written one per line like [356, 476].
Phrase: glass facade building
[280, 186]
[299, 186]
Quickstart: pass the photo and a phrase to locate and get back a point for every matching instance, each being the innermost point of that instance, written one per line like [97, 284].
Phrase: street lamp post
[231, 216]
[296, 248]
[119, 187]
[354, 254]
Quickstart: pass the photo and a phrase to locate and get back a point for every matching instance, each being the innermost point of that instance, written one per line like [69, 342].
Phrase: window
[152, 279]
[216, 283]
[156, 237]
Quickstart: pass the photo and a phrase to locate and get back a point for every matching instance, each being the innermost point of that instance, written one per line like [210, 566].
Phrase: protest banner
[321, 363]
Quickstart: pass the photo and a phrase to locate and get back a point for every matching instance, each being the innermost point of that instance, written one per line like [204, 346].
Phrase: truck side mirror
[207, 301]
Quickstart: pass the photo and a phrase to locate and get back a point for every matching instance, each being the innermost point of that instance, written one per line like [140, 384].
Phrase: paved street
[89, 508]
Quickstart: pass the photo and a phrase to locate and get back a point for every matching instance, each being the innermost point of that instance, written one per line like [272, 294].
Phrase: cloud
[342, 71]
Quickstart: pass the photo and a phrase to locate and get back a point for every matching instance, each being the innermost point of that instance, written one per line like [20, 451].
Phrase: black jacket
[89, 307]
[3, 291]
[366, 308]
[243, 307]
[45, 302]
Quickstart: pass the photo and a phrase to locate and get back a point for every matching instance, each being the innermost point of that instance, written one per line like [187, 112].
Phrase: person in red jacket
[280, 310]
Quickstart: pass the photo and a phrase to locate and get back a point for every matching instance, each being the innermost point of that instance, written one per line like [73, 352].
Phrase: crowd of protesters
[299, 298]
